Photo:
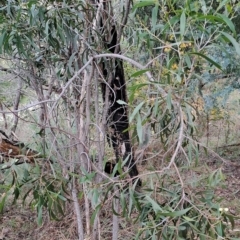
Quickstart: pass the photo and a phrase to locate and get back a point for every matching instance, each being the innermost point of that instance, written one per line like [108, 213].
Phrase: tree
[65, 53]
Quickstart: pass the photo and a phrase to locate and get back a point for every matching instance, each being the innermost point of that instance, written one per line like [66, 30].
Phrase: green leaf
[123, 204]
[60, 32]
[188, 219]
[71, 61]
[182, 23]
[169, 100]
[208, 59]
[188, 61]
[113, 209]
[3, 200]
[133, 89]
[39, 211]
[16, 193]
[20, 47]
[230, 218]
[96, 210]
[220, 229]
[130, 202]
[47, 28]
[135, 111]
[222, 3]
[154, 17]
[26, 195]
[144, 4]
[138, 73]
[2, 37]
[175, 213]
[61, 197]
[155, 205]
[139, 128]
[228, 22]
[95, 197]
[233, 41]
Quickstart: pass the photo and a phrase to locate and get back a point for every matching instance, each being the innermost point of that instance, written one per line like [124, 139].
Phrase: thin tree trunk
[77, 211]
[15, 107]
[118, 115]
[4, 116]
[115, 228]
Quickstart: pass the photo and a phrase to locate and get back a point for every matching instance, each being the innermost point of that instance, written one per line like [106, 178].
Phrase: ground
[222, 141]
[19, 222]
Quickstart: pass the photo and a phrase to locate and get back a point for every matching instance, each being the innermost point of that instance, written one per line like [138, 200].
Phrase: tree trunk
[118, 120]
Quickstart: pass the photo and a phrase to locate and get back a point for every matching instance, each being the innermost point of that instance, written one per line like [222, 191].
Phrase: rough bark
[118, 121]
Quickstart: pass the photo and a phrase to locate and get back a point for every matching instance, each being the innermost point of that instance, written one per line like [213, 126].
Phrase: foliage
[27, 183]
[185, 58]
[187, 52]
[40, 34]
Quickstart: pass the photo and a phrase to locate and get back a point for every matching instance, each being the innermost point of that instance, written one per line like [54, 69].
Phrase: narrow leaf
[2, 37]
[169, 100]
[138, 73]
[39, 218]
[121, 102]
[182, 23]
[3, 200]
[233, 41]
[139, 128]
[47, 28]
[208, 59]
[155, 205]
[144, 4]
[175, 213]
[154, 17]
[135, 111]
[228, 22]
[95, 212]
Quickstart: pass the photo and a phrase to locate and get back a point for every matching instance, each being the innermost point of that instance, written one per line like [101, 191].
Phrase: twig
[26, 108]
[180, 137]
[112, 55]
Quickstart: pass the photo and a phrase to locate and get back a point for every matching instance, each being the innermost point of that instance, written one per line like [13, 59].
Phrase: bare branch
[180, 137]
[111, 55]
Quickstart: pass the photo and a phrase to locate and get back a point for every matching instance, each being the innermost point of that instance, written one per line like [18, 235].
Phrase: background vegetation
[182, 79]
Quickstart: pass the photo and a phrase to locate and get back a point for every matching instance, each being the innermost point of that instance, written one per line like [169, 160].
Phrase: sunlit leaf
[121, 102]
